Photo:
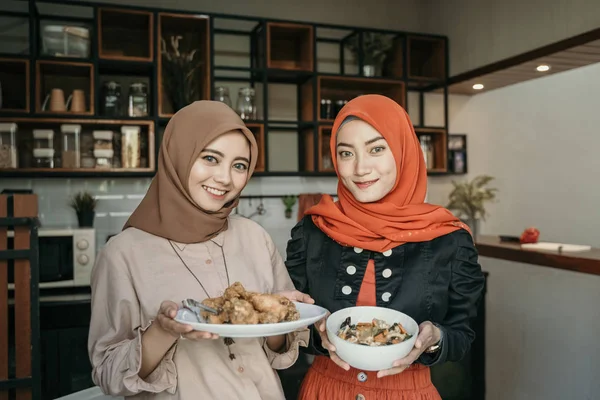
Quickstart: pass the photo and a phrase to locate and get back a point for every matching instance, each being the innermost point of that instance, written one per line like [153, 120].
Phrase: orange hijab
[399, 217]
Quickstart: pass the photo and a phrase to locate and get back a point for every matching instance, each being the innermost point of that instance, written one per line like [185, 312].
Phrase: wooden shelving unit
[67, 76]
[259, 133]
[288, 46]
[25, 145]
[125, 34]
[194, 32]
[457, 154]
[426, 58]
[127, 50]
[14, 76]
[439, 142]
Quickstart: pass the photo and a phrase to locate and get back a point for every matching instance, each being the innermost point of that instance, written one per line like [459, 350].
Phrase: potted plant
[84, 205]
[289, 202]
[468, 200]
[374, 51]
[182, 84]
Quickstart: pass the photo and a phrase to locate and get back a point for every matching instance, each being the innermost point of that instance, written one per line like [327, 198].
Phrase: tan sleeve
[115, 337]
[293, 340]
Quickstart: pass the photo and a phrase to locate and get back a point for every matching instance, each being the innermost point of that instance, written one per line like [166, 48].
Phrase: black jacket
[438, 281]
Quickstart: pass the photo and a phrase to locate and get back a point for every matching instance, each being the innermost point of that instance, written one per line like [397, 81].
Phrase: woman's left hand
[429, 334]
[295, 295]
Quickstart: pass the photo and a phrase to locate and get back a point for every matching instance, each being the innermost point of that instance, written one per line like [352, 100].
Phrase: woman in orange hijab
[382, 245]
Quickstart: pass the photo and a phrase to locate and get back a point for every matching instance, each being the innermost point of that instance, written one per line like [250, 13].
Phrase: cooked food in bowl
[240, 307]
[372, 355]
[374, 333]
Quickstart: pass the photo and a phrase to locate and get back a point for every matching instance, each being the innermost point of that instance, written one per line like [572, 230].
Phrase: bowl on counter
[371, 358]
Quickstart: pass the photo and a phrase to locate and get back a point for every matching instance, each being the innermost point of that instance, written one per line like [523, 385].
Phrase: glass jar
[326, 109]
[427, 149]
[8, 145]
[43, 158]
[222, 95]
[43, 139]
[103, 140]
[71, 149]
[245, 106]
[138, 100]
[104, 158]
[111, 99]
[130, 146]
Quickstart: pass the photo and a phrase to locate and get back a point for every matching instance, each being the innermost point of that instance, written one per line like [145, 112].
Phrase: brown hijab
[168, 210]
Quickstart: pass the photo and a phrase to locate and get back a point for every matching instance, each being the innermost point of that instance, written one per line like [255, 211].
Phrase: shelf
[339, 88]
[125, 34]
[439, 141]
[126, 47]
[14, 78]
[426, 58]
[142, 158]
[457, 154]
[258, 130]
[289, 46]
[59, 83]
[194, 47]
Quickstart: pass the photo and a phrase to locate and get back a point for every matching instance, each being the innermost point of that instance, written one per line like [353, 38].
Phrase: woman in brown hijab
[181, 242]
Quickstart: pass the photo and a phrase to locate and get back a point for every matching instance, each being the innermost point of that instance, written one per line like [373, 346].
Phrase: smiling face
[220, 172]
[365, 163]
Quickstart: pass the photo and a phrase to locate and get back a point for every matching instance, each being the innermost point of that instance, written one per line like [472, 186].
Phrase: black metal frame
[32, 254]
[256, 73]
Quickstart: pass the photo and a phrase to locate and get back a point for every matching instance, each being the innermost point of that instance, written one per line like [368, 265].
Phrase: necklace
[228, 341]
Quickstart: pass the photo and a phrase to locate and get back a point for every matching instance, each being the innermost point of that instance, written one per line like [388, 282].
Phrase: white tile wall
[119, 197]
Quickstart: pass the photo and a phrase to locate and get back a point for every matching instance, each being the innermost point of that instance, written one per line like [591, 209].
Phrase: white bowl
[371, 358]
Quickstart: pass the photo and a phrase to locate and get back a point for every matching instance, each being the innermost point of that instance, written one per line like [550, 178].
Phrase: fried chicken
[238, 306]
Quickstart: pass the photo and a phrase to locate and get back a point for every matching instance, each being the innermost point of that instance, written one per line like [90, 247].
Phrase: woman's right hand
[322, 329]
[166, 321]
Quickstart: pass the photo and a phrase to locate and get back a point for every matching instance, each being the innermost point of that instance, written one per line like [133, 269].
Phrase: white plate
[309, 314]
[547, 246]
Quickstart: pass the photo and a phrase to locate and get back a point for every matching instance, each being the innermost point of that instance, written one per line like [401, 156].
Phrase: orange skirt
[327, 381]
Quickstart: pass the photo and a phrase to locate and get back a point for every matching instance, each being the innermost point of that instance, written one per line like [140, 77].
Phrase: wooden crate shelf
[457, 154]
[439, 142]
[125, 34]
[127, 47]
[14, 77]
[25, 145]
[426, 58]
[337, 88]
[68, 77]
[288, 46]
[195, 37]
[259, 133]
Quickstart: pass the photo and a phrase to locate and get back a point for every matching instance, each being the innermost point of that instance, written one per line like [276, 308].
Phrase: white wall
[540, 140]
[482, 32]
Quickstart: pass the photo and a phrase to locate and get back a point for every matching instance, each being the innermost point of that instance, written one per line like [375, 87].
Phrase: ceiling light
[478, 86]
[543, 68]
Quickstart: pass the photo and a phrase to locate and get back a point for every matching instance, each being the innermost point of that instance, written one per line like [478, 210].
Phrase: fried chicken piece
[235, 291]
[217, 303]
[240, 312]
[239, 306]
[274, 308]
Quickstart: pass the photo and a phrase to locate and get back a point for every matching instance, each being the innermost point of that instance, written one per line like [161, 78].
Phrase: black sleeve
[466, 286]
[296, 265]
[295, 259]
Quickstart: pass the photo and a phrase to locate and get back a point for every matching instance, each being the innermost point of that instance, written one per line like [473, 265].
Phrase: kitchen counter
[587, 262]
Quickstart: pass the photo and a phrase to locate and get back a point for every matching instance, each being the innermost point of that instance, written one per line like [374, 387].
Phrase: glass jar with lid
[245, 106]
[71, 150]
[8, 145]
[111, 99]
[138, 100]
[222, 95]
[103, 148]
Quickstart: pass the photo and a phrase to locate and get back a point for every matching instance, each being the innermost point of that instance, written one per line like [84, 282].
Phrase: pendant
[228, 342]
